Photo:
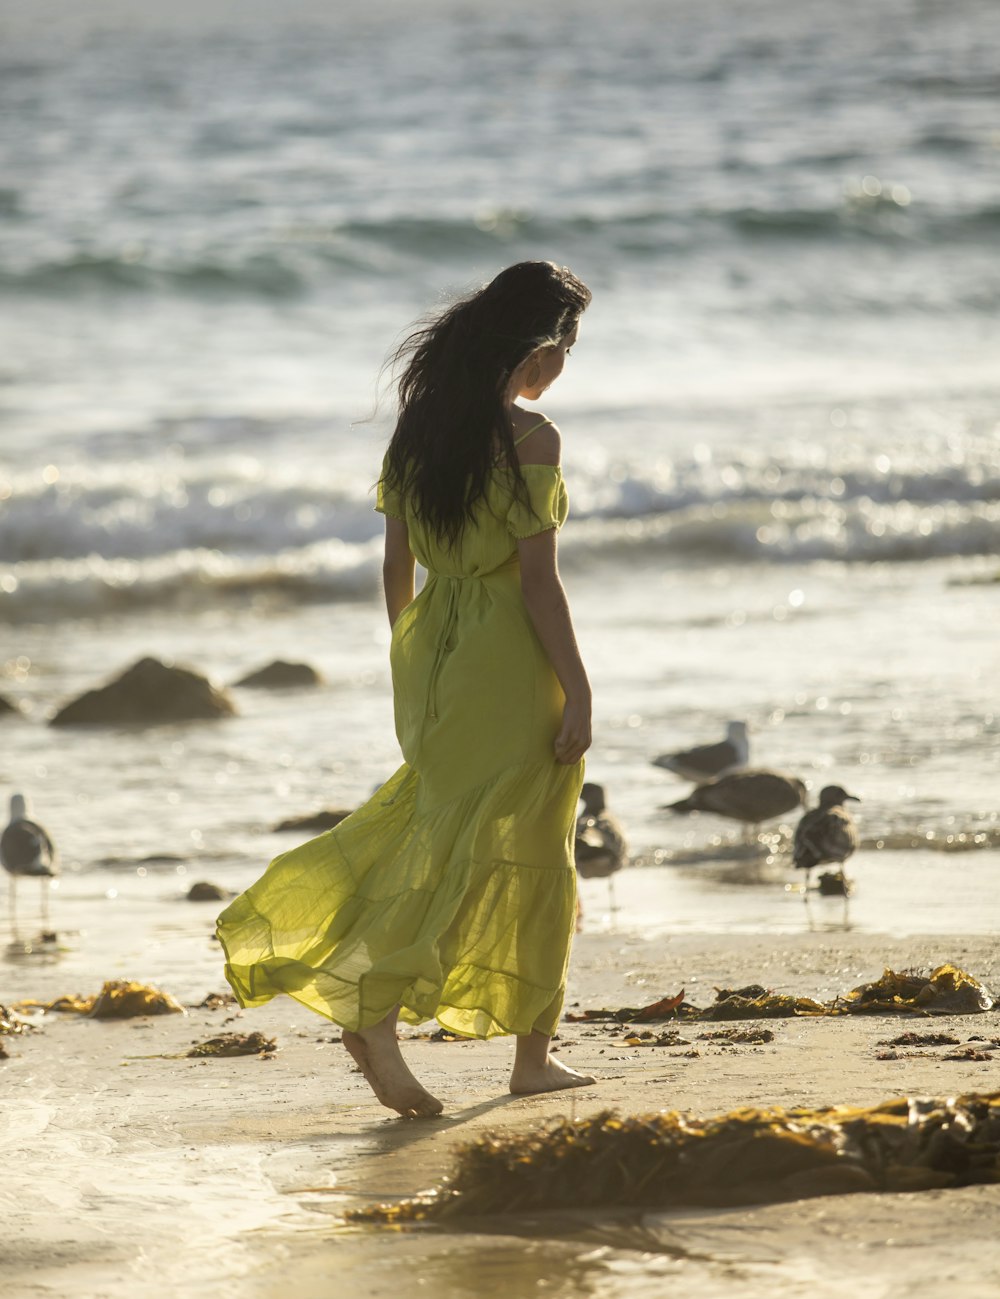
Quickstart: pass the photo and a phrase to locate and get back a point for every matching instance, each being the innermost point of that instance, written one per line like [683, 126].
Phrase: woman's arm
[398, 568]
[548, 609]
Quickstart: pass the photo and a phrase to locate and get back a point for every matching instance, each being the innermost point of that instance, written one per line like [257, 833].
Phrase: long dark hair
[454, 423]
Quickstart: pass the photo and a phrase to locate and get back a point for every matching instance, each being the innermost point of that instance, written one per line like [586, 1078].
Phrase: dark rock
[282, 676]
[149, 692]
[202, 891]
[324, 820]
[6, 707]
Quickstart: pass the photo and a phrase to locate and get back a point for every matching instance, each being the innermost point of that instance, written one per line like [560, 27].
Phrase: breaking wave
[129, 537]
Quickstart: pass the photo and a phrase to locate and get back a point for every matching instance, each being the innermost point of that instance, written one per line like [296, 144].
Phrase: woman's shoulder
[536, 438]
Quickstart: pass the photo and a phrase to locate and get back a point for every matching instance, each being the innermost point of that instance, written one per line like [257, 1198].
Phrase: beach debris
[748, 1156]
[649, 1038]
[665, 1008]
[7, 708]
[217, 1001]
[729, 1004]
[769, 1005]
[751, 991]
[920, 1039]
[203, 891]
[149, 692]
[11, 1025]
[124, 999]
[280, 675]
[231, 1044]
[705, 761]
[118, 999]
[969, 1052]
[947, 990]
[834, 884]
[752, 1036]
[751, 796]
[325, 819]
[26, 850]
[826, 835]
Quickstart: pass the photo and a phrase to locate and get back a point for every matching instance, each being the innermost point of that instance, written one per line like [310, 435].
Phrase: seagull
[25, 849]
[826, 834]
[600, 845]
[707, 760]
[750, 796]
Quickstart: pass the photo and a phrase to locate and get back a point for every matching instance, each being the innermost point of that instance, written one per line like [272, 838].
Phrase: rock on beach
[148, 693]
[280, 675]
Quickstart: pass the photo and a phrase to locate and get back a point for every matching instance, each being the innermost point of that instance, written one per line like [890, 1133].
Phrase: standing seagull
[25, 849]
[707, 760]
[600, 845]
[750, 796]
[827, 833]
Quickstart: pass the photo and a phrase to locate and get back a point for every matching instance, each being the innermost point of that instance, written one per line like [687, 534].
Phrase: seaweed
[947, 990]
[230, 1044]
[748, 1156]
[11, 1025]
[118, 999]
[753, 1036]
[920, 1039]
[665, 1008]
[217, 1001]
[771, 1005]
[648, 1038]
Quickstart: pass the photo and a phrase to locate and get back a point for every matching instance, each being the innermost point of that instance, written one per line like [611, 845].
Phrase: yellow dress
[452, 891]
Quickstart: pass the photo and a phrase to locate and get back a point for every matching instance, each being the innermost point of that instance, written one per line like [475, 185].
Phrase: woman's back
[501, 519]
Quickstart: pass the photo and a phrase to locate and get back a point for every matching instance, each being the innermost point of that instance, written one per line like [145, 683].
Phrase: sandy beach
[128, 1173]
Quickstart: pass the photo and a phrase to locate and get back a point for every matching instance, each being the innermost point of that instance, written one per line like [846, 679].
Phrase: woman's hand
[574, 737]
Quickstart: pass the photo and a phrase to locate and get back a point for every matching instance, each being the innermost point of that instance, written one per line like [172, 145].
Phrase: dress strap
[534, 429]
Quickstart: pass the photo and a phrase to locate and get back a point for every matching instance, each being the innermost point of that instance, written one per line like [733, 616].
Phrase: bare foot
[548, 1077]
[376, 1053]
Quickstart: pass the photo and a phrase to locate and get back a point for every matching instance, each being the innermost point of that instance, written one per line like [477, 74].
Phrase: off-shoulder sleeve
[547, 504]
[388, 500]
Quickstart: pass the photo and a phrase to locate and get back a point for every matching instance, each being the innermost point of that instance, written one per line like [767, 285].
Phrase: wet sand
[135, 1176]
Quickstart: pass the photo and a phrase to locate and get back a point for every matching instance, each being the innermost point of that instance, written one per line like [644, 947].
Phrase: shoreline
[133, 1174]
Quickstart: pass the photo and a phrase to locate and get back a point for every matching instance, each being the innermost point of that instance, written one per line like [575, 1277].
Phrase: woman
[451, 893]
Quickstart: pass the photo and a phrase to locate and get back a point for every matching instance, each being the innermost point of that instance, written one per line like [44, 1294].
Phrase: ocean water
[780, 425]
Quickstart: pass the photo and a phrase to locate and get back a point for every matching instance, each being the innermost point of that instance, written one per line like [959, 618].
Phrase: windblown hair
[454, 424]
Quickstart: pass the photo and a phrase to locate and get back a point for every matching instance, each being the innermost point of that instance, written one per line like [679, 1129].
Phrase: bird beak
[853, 798]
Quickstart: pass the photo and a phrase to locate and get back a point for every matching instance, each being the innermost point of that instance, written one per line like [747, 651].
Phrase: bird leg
[13, 908]
[45, 903]
[612, 904]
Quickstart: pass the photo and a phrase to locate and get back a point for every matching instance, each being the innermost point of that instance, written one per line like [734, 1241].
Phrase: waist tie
[454, 584]
[447, 627]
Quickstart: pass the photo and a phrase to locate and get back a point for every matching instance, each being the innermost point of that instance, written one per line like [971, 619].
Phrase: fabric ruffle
[547, 505]
[463, 913]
